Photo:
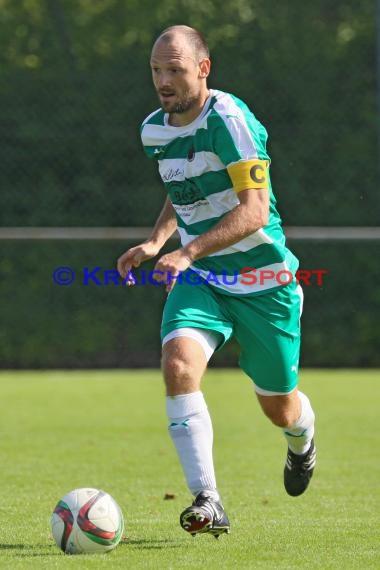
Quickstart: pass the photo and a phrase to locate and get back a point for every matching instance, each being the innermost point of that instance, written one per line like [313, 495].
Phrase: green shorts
[266, 327]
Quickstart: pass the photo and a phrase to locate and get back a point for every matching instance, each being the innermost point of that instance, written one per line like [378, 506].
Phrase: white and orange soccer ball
[86, 521]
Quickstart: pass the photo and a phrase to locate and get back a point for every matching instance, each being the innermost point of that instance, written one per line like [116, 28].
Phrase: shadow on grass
[14, 546]
[144, 543]
[29, 550]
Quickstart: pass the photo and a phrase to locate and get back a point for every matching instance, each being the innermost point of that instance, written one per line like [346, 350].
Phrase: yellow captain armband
[249, 174]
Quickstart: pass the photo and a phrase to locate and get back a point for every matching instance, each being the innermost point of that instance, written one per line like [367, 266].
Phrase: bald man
[232, 276]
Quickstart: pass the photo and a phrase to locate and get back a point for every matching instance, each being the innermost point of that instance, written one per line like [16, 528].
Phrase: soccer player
[232, 276]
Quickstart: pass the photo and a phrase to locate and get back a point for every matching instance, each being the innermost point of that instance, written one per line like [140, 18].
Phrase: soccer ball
[87, 521]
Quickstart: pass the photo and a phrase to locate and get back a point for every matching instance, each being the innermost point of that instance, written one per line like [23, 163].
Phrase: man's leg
[184, 361]
[294, 414]
[193, 326]
[183, 364]
[268, 331]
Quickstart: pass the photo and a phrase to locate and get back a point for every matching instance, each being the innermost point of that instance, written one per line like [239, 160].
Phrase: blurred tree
[76, 85]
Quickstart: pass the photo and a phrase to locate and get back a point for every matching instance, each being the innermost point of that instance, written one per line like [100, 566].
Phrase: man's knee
[179, 375]
[183, 365]
[175, 368]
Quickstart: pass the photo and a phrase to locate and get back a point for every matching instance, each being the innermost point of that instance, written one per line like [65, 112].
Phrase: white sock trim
[185, 405]
[301, 433]
[307, 414]
[191, 431]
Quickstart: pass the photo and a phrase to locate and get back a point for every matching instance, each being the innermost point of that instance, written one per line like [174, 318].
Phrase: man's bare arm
[164, 228]
[248, 217]
[165, 225]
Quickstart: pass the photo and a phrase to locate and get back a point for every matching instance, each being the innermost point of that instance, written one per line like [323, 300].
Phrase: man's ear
[204, 67]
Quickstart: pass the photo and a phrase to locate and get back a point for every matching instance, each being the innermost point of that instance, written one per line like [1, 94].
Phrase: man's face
[176, 75]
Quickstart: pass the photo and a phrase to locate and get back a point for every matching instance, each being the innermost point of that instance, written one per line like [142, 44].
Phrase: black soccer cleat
[205, 515]
[299, 470]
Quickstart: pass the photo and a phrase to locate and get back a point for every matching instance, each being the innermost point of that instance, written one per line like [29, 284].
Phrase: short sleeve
[237, 138]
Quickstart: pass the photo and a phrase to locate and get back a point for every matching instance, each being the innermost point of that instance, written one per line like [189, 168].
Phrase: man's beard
[181, 106]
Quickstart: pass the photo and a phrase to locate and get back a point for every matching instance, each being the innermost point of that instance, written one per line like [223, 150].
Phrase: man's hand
[133, 257]
[172, 264]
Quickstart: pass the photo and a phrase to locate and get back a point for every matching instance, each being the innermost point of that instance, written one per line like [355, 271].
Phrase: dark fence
[92, 323]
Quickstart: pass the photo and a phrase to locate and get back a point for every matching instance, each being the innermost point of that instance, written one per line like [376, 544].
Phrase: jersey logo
[184, 193]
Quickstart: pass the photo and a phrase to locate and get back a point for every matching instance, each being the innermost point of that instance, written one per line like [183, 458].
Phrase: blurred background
[74, 88]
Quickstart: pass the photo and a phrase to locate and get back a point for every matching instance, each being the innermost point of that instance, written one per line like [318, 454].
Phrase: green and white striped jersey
[192, 162]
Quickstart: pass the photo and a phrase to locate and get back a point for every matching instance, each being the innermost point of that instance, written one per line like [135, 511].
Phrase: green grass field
[107, 429]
